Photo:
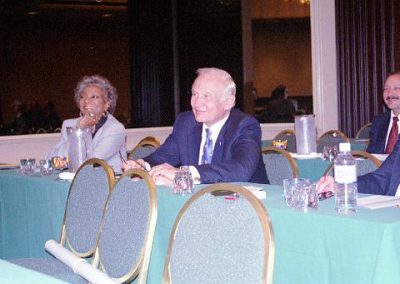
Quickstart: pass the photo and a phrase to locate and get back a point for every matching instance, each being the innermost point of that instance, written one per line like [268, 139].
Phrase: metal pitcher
[79, 147]
[306, 134]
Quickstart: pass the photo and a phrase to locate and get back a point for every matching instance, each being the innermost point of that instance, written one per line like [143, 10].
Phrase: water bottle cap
[344, 147]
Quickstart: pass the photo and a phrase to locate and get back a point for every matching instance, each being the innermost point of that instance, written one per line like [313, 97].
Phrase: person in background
[217, 142]
[51, 118]
[279, 108]
[96, 99]
[383, 181]
[20, 123]
[387, 122]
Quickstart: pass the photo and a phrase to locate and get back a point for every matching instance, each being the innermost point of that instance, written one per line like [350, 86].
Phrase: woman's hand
[326, 183]
[87, 120]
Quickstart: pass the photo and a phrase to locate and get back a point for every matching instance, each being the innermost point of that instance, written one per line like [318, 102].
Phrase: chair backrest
[331, 138]
[290, 136]
[128, 228]
[41, 130]
[279, 165]
[366, 163]
[145, 147]
[86, 201]
[216, 240]
[363, 133]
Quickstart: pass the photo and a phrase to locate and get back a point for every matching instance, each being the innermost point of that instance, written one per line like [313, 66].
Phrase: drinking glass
[27, 166]
[46, 167]
[330, 152]
[183, 182]
[296, 193]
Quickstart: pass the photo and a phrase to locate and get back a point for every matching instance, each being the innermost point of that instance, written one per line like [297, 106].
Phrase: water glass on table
[27, 166]
[300, 194]
[46, 167]
[330, 152]
[183, 181]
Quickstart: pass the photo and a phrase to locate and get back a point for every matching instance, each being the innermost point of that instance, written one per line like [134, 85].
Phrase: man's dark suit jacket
[378, 133]
[237, 151]
[386, 179]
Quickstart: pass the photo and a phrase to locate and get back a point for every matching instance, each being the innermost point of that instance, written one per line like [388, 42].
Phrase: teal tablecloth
[319, 246]
[31, 212]
[11, 273]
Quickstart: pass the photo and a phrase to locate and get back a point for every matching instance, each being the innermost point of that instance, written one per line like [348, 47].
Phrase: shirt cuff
[195, 174]
[147, 166]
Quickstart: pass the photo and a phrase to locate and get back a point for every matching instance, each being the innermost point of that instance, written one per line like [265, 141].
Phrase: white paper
[77, 264]
[306, 156]
[378, 201]
[257, 191]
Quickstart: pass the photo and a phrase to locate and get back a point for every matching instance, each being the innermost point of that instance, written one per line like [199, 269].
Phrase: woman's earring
[80, 114]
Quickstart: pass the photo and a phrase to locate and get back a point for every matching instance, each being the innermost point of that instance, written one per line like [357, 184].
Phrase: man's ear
[229, 102]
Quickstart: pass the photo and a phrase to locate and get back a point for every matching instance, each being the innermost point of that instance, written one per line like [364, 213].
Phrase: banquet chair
[219, 240]
[145, 147]
[363, 132]
[331, 138]
[290, 136]
[279, 165]
[87, 197]
[127, 231]
[365, 162]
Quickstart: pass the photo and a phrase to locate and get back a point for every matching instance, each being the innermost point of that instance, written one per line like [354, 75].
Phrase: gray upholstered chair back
[128, 228]
[215, 240]
[85, 206]
[331, 138]
[364, 131]
[145, 147]
[279, 165]
[141, 152]
[290, 137]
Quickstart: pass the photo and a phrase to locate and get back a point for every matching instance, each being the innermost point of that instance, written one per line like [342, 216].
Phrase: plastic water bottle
[345, 170]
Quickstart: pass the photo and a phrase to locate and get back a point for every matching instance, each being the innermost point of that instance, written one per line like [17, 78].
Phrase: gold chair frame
[146, 141]
[368, 125]
[293, 165]
[269, 243]
[283, 132]
[111, 180]
[142, 265]
[334, 133]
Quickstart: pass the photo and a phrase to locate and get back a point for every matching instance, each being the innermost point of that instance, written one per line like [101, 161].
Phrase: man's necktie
[207, 149]
[394, 133]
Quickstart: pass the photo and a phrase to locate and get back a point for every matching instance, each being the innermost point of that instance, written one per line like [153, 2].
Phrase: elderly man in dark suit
[217, 142]
[382, 125]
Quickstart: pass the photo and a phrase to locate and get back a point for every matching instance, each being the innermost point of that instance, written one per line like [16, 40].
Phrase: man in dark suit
[383, 181]
[217, 142]
[382, 123]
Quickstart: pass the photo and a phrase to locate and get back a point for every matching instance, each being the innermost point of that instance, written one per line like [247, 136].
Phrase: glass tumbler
[183, 183]
[46, 167]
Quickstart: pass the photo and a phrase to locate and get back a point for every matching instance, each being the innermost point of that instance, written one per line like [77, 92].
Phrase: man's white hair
[230, 88]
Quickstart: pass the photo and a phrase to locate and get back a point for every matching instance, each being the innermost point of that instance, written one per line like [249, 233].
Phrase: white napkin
[378, 201]
[66, 176]
[257, 191]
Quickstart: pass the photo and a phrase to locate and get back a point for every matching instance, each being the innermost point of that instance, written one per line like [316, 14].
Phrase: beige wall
[282, 55]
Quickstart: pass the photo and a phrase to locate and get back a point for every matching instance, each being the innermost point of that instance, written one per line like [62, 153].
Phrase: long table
[319, 246]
